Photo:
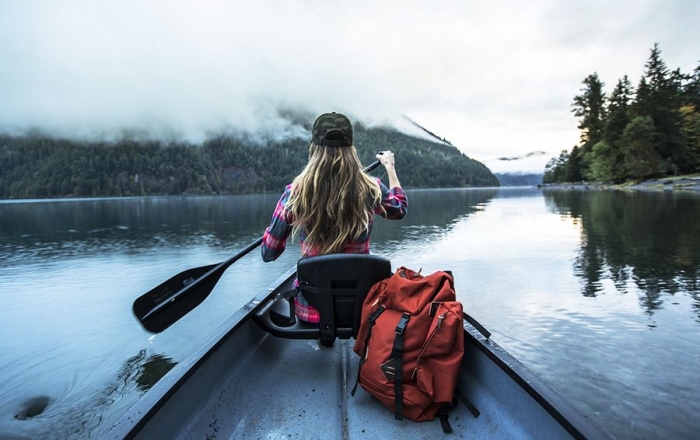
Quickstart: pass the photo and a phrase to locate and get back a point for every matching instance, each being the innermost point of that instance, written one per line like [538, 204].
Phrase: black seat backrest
[336, 285]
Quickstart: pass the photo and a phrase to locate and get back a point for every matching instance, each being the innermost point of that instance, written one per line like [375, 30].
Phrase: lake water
[596, 292]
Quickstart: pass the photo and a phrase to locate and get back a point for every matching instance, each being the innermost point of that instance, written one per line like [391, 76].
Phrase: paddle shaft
[198, 282]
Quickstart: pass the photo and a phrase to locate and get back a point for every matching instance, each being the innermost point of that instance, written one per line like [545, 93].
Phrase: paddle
[165, 304]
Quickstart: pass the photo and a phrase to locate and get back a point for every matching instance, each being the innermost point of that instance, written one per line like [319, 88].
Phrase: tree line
[634, 134]
[36, 165]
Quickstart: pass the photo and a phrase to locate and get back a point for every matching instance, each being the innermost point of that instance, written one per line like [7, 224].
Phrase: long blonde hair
[332, 199]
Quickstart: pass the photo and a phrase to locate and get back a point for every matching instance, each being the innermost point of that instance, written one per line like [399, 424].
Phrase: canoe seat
[334, 284]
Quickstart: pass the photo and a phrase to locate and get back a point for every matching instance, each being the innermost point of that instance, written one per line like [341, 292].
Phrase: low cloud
[495, 78]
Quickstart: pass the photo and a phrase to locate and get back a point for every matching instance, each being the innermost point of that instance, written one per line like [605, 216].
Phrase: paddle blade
[179, 306]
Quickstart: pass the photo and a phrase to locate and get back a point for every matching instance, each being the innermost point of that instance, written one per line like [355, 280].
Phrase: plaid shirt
[394, 202]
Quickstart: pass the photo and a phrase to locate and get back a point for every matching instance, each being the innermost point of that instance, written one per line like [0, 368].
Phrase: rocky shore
[680, 183]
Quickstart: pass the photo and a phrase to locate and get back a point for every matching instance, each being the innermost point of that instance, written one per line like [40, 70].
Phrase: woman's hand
[386, 158]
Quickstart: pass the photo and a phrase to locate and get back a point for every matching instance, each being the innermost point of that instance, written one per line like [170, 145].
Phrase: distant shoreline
[677, 183]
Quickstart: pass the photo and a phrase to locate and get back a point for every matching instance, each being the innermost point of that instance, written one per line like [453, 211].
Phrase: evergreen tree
[574, 167]
[690, 129]
[691, 89]
[690, 119]
[565, 168]
[659, 98]
[555, 168]
[618, 110]
[589, 107]
[642, 105]
[606, 160]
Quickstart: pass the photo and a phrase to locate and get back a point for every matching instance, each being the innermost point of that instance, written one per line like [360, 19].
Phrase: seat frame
[334, 284]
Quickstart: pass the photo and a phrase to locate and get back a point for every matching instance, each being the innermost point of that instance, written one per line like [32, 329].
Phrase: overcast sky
[495, 78]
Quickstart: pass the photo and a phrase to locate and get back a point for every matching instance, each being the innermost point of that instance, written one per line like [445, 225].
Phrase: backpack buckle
[401, 326]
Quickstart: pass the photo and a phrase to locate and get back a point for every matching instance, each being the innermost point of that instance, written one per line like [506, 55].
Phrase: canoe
[244, 382]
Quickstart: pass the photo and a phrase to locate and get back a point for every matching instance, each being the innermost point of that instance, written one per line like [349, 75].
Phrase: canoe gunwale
[575, 422]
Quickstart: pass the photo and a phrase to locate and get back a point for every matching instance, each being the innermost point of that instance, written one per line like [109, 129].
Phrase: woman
[331, 204]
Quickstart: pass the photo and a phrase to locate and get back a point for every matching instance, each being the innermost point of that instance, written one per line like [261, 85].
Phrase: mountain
[519, 179]
[41, 166]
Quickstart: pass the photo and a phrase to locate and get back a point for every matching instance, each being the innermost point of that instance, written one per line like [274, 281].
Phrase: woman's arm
[387, 159]
[275, 237]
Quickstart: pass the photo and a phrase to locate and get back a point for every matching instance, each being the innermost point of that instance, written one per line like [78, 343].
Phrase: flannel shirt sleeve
[275, 237]
[394, 202]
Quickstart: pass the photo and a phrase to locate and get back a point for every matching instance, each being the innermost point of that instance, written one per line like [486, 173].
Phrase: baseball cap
[332, 130]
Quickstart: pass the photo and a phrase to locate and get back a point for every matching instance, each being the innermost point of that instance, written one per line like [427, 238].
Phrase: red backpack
[411, 325]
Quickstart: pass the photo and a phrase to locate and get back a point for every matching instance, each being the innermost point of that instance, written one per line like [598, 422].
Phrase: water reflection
[52, 229]
[46, 230]
[152, 370]
[431, 213]
[645, 240]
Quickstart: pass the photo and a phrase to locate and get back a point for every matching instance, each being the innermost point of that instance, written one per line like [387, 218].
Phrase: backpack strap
[372, 320]
[397, 356]
[444, 413]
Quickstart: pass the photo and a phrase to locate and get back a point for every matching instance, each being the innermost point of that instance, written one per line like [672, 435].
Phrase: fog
[494, 78]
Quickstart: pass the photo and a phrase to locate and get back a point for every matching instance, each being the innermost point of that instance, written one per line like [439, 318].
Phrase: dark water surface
[597, 292]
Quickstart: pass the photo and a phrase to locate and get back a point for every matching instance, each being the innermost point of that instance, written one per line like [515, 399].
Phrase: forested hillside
[39, 166]
[651, 131]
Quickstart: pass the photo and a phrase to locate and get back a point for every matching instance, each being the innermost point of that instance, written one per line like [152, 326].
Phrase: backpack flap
[410, 292]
